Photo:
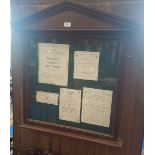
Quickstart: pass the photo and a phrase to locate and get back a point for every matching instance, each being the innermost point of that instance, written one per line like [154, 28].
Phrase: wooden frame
[119, 23]
[72, 131]
[118, 26]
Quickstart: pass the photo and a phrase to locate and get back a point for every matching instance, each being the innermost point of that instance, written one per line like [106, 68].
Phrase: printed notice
[47, 97]
[96, 106]
[86, 65]
[70, 103]
[53, 63]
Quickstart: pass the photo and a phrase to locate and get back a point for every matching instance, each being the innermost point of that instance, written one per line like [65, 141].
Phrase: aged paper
[86, 65]
[47, 97]
[53, 63]
[96, 106]
[70, 104]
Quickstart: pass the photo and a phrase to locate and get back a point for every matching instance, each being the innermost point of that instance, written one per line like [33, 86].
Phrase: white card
[53, 63]
[70, 104]
[86, 65]
[47, 97]
[96, 106]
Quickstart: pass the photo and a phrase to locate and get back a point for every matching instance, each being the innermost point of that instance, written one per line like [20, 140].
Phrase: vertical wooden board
[115, 151]
[69, 146]
[138, 119]
[127, 102]
[40, 141]
[33, 139]
[101, 149]
[16, 80]
[55, 143]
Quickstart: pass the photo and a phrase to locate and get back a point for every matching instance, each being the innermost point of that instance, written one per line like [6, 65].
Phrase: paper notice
[70, 103]
[47, 97]
[86, 65]
[53, 63]
[96, 106]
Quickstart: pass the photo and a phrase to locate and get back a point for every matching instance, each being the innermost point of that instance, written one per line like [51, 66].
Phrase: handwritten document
[47, 97]
[86, 65]
[70, 104]
[53, 63]
[96, 106]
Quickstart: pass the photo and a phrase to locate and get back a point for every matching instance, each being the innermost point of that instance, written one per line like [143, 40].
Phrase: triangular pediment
[76, 16]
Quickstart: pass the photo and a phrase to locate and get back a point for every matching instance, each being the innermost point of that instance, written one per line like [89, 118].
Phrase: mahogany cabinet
[43, 129]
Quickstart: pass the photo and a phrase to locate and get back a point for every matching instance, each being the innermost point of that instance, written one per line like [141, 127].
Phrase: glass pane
[107, 76]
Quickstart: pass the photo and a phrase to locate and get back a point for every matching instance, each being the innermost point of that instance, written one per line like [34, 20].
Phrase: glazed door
[77, 85]
[43, 129]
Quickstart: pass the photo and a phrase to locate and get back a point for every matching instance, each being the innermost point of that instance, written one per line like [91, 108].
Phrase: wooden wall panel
[40, 141]
[130, 9]
[69, 146]
[16, 74]
[133, 99]
[57, 22]
[128, 94]
[137, 132]
[37, 140]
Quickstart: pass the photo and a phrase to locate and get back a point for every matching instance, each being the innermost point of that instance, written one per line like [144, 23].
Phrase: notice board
[72, 82]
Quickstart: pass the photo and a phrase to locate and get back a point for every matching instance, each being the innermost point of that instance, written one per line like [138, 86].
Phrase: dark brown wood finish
[56, 15]
[130, 9]
[113, 139]
[31, 136]
[16, 77]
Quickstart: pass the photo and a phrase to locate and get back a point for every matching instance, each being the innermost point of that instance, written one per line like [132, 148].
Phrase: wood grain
[129, 112]
[133, 9]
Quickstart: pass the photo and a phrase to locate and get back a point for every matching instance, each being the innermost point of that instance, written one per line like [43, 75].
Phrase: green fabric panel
[109, 51]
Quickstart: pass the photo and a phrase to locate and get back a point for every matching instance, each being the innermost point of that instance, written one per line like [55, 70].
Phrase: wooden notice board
[109, 61]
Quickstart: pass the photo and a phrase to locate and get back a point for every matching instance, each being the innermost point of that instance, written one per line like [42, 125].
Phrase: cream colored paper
[47, 97]
[70, 103]
[53, 63]
[96, 106]
[86, 65]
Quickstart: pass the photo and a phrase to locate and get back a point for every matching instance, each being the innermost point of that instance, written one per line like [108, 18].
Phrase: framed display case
[74, 76]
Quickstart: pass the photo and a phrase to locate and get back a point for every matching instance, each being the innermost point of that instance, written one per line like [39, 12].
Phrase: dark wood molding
[70, 130]
[114, 143]
[78, 8]
[127, 115]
